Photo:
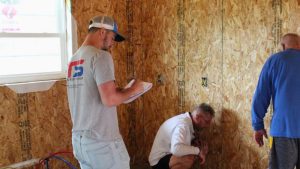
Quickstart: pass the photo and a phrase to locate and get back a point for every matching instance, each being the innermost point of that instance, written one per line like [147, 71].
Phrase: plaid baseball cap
[108, 23]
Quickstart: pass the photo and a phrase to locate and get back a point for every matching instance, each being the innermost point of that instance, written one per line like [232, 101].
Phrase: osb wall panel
[9, 129]
[290, 14]
[135, 68]
[228, 42]
[252, 32]
[203, 52]
[50, 122]
[33, 125]
[247, 42]
[160, 49]
[204, 60]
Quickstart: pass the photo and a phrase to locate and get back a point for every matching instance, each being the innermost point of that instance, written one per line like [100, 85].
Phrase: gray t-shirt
[88, 68]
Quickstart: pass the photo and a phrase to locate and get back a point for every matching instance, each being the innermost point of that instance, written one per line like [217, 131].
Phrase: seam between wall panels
[24, 126]
[181, 33]
[131, 108]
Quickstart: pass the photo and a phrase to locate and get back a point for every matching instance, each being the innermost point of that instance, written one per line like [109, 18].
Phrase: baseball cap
[108, 23]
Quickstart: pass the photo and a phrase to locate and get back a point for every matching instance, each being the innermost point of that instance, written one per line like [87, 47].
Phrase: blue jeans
[94, 154]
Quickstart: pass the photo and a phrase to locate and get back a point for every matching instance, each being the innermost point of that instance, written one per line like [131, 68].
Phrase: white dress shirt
[173, 137]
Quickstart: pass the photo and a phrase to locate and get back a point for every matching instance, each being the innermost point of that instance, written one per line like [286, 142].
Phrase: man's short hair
[93, 30]
[205, 108]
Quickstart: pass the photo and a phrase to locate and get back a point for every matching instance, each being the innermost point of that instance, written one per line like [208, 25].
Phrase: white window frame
[65, 36]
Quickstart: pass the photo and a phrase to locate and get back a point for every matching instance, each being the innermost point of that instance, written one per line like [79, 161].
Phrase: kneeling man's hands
[203, 153]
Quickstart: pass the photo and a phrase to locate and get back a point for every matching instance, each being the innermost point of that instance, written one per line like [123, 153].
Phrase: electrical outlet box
[160, 79]
[204, 81]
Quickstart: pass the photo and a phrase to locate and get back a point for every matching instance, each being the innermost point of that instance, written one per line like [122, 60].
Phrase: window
[33, 40]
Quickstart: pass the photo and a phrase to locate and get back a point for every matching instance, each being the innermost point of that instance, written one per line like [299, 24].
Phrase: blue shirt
[279, 80]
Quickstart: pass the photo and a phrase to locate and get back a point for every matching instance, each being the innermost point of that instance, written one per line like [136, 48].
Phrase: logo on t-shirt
[75, 69]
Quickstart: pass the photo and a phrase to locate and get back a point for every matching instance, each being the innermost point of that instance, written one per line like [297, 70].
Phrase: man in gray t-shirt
[93, 97]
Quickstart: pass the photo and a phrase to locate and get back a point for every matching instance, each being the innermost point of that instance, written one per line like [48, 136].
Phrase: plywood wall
[227, 42]
[247, 44]
[159, 26]
[33, 125]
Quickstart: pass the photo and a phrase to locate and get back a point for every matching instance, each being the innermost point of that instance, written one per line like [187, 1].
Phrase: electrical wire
[65, 161]
[45, 161]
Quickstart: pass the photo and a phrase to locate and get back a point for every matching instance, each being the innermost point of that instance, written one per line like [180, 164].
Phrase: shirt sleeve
[262, 97]
[179, 145]
[103, 68]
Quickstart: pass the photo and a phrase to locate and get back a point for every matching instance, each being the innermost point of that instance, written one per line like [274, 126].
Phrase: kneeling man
[175, 146]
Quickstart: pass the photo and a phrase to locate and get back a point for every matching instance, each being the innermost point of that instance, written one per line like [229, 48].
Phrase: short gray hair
[205, 108]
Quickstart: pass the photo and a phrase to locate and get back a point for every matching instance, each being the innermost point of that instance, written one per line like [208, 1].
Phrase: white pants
[94, 154]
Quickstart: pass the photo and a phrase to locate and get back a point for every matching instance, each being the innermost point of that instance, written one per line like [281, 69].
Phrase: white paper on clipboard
[147, 86]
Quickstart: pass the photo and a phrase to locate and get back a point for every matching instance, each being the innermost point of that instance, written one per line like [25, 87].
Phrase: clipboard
[147, 86]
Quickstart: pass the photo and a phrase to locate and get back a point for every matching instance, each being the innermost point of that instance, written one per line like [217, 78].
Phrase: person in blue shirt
[279, 81]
